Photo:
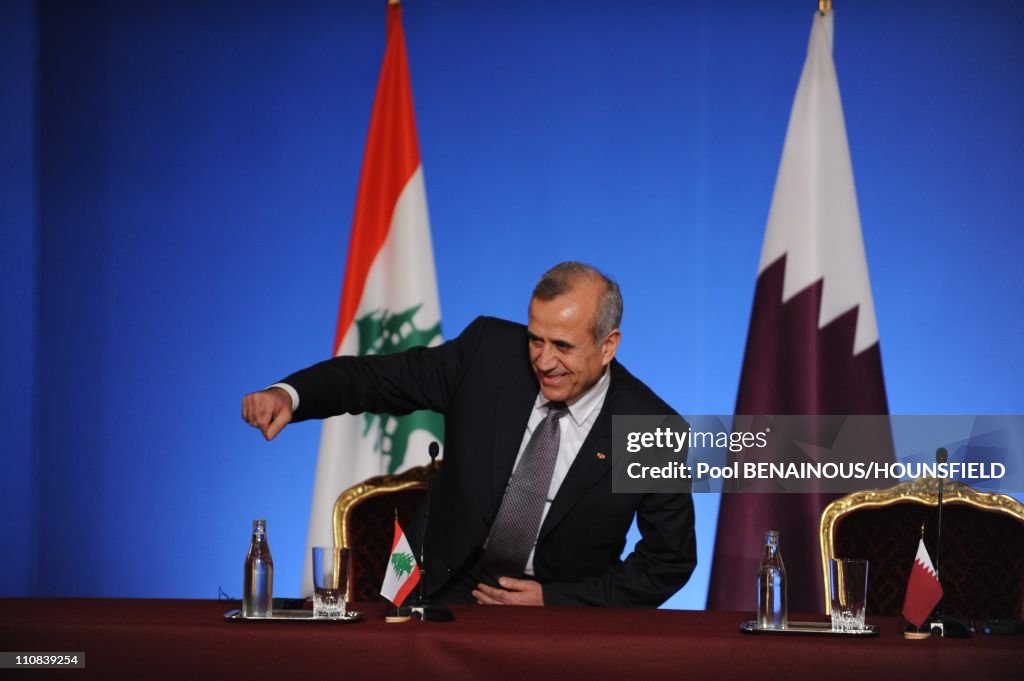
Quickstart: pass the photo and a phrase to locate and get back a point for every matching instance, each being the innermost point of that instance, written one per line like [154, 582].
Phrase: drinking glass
[848, 592]
[331, 568]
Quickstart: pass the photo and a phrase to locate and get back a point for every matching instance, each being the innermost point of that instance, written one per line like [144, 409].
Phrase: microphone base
[425, 611]
[947, 627]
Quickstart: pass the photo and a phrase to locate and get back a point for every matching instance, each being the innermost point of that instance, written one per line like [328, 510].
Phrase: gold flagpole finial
[824, 6]
[394, 2]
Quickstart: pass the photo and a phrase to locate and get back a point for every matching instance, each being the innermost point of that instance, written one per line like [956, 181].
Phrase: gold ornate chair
[982, 561]
[363, 520]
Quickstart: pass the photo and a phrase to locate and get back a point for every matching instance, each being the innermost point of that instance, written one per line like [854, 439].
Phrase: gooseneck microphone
[432, 451]
[423, 609]
[941, 456]
[940, 623]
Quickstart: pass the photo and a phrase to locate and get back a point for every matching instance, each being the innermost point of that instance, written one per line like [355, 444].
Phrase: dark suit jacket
[484, 385]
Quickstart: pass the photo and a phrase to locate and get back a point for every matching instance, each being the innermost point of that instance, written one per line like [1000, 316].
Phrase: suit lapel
[587, 469]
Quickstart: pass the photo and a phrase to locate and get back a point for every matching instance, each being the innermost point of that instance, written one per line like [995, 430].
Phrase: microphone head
[435, 449]
[941, 455]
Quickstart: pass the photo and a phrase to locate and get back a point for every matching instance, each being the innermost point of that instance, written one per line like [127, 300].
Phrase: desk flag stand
[939, 624]
[423, 609]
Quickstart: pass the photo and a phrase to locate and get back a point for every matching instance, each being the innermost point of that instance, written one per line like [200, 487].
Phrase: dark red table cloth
[152, 639]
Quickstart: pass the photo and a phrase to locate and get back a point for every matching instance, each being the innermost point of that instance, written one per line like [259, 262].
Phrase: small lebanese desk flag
[924, 590]
[402, 573]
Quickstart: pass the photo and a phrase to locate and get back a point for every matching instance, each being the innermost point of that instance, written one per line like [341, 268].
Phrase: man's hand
[513, 592]
[269, 410]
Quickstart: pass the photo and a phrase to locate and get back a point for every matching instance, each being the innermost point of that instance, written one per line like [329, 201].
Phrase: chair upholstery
[982, 561]
[363, 520]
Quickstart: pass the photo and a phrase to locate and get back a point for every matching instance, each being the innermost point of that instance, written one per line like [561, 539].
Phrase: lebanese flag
[402, 573]
[389, 296]
[812, 346]
[924, 591]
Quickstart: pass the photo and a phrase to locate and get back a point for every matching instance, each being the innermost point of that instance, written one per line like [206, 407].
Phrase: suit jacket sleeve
[399, 383]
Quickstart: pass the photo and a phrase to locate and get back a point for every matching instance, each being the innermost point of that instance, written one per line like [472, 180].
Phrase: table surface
[170, 638]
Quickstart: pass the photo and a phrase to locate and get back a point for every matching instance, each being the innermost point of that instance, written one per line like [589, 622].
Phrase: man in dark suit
[523, 510]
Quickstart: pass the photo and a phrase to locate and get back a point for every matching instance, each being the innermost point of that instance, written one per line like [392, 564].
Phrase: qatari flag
[812, 347]
[924, 590]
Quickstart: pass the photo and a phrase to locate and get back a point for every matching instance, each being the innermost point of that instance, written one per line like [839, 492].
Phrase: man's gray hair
[565, 275]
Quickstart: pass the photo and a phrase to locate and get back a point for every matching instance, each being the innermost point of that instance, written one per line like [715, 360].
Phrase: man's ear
[610, 346]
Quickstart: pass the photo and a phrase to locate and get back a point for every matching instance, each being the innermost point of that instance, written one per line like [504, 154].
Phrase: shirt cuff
[291, 392]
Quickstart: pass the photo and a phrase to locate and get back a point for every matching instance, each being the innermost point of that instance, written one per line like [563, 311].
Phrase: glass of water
[331, 570]
[848, 593]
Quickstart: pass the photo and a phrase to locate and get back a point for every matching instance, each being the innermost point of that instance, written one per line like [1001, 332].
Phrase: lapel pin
[600, 455]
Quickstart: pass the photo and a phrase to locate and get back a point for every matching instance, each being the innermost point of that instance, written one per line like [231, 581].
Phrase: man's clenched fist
[269, 410]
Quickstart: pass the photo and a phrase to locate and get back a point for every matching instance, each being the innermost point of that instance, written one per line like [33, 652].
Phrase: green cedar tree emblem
[402, 563]
[382, 332]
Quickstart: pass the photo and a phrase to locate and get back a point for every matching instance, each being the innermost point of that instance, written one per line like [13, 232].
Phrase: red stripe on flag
[398, 536]
[407, 587]
[391, 157]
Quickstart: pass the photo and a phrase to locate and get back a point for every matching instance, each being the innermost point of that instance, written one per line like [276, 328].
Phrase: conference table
[182, 639]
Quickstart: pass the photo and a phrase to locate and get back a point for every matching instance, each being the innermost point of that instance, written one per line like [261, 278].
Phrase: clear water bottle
[771, 585]
[258, 586]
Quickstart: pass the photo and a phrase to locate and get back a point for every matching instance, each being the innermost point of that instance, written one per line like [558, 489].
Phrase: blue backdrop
[178, 182]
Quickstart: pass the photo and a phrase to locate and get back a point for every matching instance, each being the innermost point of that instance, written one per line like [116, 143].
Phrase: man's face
[564, 356]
